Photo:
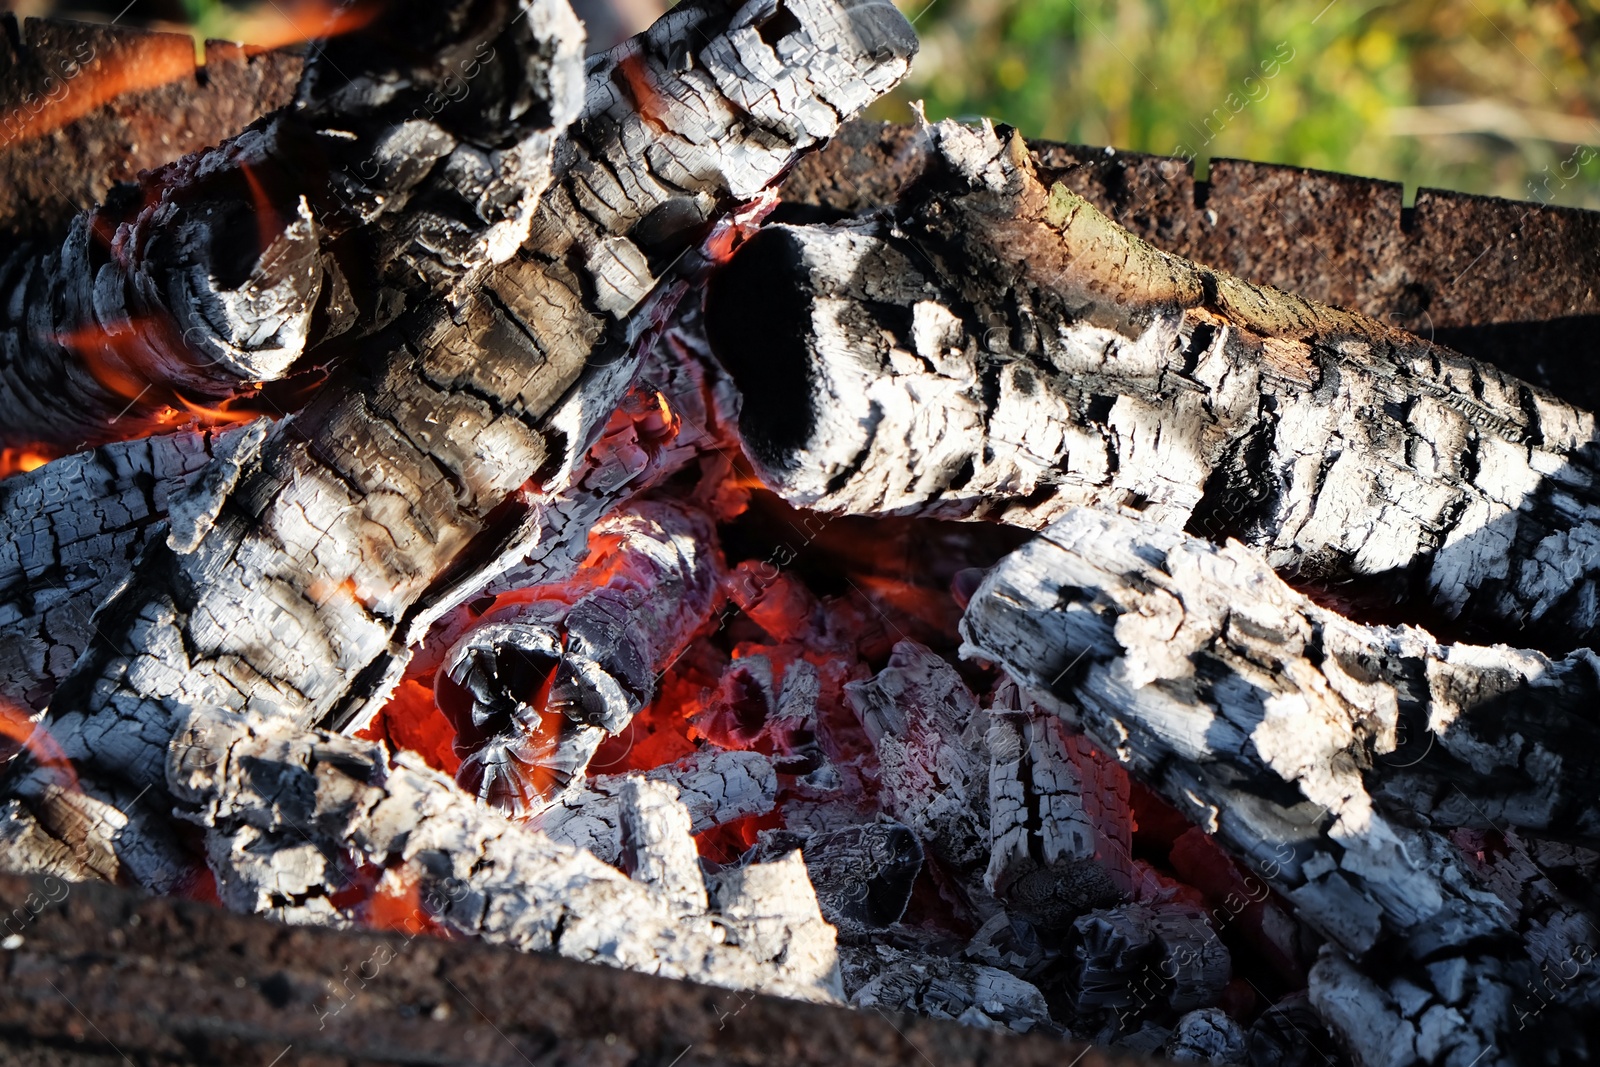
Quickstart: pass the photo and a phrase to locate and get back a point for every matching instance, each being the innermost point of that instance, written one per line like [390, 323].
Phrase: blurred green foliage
[1486, 96]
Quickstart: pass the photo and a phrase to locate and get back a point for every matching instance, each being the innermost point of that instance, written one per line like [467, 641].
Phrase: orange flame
[269, 221]
[83, 85]
[114, 355]
[221, 415]
[24, 459]
[271, 25]
[20, 727]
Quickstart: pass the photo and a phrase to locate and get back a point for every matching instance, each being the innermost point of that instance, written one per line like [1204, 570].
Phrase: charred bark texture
[293, 587]
[281, 806]
[1330, 755]
[69, 533]
[993, 349]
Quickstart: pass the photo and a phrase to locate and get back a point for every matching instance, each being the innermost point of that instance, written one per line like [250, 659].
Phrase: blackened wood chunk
[69, 533]
[224, 268]
[863, 875]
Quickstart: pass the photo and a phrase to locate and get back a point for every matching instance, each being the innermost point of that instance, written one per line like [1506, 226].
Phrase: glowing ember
[20, 728]
[22, 460]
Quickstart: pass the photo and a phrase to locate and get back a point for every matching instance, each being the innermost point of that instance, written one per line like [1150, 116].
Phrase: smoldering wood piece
[749, 708]
[282, 805]
[657, 847]
[769, 912]
[392, 496]
[1206, 1035]
[1420, 727]
[1050, 854]
[1139, 959]
[69, 533]
[1376, 1028]
[30, 848]
[1548, 890]
[863, 875]
[1265, 717]
[928, 732]
[222, 269]
[994, 349]
[671, 417]
[1289, 1033]
[106, 834]
[898, 980]
[715, 786]
[536, 686]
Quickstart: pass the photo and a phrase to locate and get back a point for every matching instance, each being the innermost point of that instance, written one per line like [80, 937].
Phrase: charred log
[863, 875]
[224, 268]
[993, 349]
[715, 787]
[382, 501]
[283, 805]
[69, 533]
[1302, 740]
[536, 686]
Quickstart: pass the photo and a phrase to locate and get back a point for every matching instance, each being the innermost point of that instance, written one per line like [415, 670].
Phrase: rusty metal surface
[1509, 282]
[50, 70]
[92, 974]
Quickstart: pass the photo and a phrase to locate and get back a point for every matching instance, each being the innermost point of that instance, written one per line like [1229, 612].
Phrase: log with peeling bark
[299, 581]
[990, 348]
[1332, 756]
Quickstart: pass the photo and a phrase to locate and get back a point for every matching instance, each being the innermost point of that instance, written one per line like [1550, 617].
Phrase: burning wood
[1322, 750]
[384, 497]
[282, 806]
[541, 681]
[69, 533]
[995, 349]
[615, 699]
[715, 787]
[226, 267]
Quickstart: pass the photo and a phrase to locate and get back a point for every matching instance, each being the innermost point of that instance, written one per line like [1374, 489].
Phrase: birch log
[990, 348]
[414, 151]
[388, 495]
[1325, 753]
